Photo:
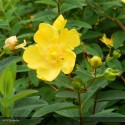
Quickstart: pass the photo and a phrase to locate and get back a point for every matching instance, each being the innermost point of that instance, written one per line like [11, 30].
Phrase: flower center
[54, 54]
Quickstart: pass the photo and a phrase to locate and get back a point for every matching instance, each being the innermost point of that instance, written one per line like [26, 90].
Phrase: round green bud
[109, 77]
[95, 62]
[116, 53]
[110, 74]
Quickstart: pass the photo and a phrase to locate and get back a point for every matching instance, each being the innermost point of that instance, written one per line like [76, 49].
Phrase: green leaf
[29, 103]
[109, 4]
[119, 38]
[111, 95]
[91, 34]
[4, 25]
[68, 5]
[97, 48]
[21, 84]
[33, 78]
[22, 68]
[91, 51]
[9, 14]
[71, 112]
[67, 94]
[108, 114]
[115, 64]
[20, 95]
[6, 82]
[100, 106]
[75, 2]
[62, 81]
[52, 108]
[96, 84]
[26, 35]
[7, 61]
[84, 75]
[123, 65]
[13, 68]
[48, 2]
[78, 24]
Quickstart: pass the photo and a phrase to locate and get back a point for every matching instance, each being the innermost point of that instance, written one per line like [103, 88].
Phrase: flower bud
[116, 53]
[77, 84]
[11, 42]
[110, 74]
[6, 49]
[95, 62]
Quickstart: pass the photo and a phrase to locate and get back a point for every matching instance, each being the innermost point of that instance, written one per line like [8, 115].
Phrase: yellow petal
[69, 39]
[123, 1]
[60, 23]
[108, 42]
[20, 45]
[68, 62]
[45, 34]
[48, 73]
[32, 57]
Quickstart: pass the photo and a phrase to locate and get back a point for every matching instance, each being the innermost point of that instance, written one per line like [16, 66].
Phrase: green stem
[70, 77]
[123, 79]
[80, 108]
[95, 72]
[85, 89]
[53, 87]
[95, 102]
[92, 80]
[1, 54]
[58, 2]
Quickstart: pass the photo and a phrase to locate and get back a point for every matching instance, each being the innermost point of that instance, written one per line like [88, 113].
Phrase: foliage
[89, 94]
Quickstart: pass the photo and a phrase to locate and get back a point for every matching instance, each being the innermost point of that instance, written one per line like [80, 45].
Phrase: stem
[94, 107]
[1, 54]
[70, 77]
[118, 22]
[95, 102]
[53, 87]
[95, 72]
[122, 78]
[80, 108]
[58, 2]
[85, 89]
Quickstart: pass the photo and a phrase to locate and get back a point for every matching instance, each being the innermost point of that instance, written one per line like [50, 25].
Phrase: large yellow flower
[52, 52]
[108, 42]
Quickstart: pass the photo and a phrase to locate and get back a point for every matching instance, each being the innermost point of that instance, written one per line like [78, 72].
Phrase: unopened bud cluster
[110, 74]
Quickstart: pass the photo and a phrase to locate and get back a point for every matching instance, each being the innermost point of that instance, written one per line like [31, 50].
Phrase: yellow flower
[108, 42]
[52, 52]
[10, 43]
